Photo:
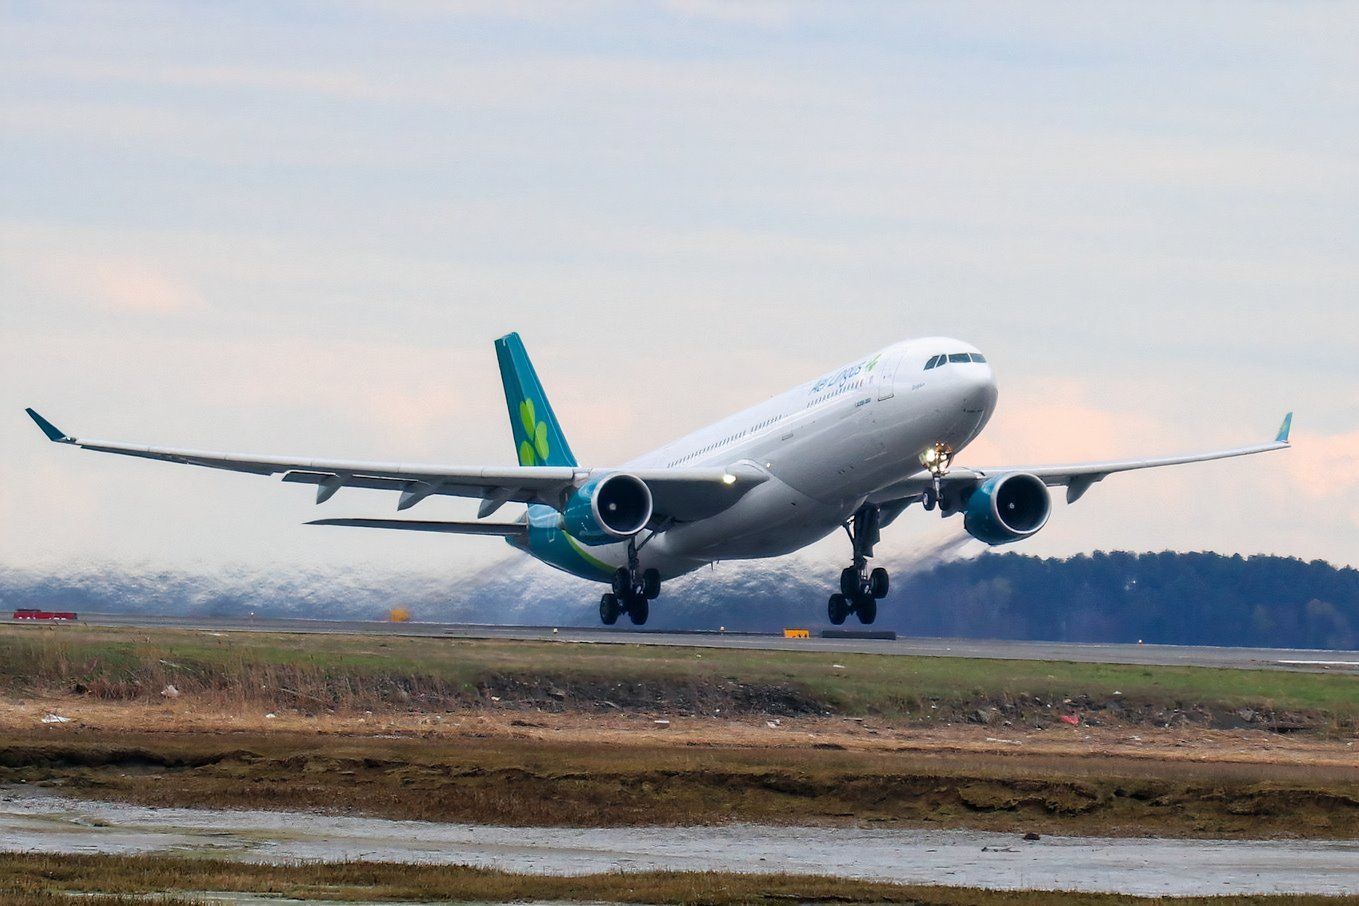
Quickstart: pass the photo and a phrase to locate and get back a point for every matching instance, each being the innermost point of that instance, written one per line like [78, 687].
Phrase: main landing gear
[860, 589]
[633, 590]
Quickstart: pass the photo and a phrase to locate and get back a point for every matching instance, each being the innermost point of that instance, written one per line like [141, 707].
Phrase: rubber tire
[609, 608]
[878, 583]
[866, 609]
[849, 582]
[622, 582]
[651, 584]
[638, 610]
[837, 608]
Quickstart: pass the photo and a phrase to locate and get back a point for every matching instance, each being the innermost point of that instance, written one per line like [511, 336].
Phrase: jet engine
[1007, 508]
[607, 509]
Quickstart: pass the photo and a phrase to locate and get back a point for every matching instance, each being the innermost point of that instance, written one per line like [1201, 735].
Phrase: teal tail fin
[537, 434]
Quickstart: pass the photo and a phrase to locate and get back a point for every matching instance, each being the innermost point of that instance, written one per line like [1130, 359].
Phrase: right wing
[678, 495]
[1075, 477]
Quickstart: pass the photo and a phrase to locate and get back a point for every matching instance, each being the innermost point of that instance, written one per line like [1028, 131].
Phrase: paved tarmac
[1315, 661]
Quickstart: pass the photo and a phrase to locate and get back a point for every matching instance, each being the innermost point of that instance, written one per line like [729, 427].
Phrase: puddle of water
[37, 821]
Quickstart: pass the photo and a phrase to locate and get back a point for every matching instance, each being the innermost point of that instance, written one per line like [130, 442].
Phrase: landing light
[937, 458]
[729, 479]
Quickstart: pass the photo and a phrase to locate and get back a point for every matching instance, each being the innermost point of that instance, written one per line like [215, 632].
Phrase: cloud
[1054, 421]
[112, 281]
[141, 287]
[1325, 465]
[759, 13]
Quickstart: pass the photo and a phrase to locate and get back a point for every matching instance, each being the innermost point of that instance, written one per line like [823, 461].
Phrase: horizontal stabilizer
[504, 529]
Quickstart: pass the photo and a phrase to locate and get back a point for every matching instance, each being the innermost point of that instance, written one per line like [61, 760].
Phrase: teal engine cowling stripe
[548, 542]
[538, 436]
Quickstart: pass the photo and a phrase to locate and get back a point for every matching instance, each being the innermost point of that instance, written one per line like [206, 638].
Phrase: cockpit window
[979, 358]
[959, 357]
[934, 360]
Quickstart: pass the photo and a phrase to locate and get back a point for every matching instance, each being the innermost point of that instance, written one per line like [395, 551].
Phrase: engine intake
[607, 508]
[1007, 508]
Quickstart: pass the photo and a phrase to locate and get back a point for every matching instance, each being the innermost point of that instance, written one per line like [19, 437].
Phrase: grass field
[364, 672]
[44, 880]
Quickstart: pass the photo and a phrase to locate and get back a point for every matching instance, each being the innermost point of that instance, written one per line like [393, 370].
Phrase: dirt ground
[1188, 743]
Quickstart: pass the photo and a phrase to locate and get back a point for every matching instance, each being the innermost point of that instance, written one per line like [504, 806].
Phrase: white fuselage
[827, 446]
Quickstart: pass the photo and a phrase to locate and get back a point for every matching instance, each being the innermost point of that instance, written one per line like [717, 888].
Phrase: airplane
[851, 449]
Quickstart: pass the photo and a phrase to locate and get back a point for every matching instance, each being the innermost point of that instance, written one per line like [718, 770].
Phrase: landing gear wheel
[638, 610]
[849, 581]
[878, 583]
[866, 609]
[609, 608]
[837, 609]
[622, 582]
[861, 589]
[651, 584]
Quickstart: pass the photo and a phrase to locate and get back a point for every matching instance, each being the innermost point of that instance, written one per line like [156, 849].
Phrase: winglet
[1282, 436]
[52, 431]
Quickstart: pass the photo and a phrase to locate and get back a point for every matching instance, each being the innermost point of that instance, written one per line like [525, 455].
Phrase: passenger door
[886, 375]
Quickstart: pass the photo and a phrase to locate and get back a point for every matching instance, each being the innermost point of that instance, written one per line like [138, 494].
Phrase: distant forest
[1168, 598]
[1171, 598]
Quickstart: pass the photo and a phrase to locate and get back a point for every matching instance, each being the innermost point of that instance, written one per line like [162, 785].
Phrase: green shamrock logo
[534, 449]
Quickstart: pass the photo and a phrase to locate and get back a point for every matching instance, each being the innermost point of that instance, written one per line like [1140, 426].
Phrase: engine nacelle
[1007, 508]
[607, 509]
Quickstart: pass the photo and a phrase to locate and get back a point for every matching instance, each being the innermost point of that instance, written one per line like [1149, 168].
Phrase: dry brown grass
[45, 879]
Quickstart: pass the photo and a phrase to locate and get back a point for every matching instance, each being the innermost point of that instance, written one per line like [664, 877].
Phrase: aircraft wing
[678, 495]
[1075, 477]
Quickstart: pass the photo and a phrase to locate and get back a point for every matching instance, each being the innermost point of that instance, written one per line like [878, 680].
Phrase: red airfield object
[32, 613]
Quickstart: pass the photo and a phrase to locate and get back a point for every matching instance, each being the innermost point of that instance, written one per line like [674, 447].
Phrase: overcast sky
[297, 228]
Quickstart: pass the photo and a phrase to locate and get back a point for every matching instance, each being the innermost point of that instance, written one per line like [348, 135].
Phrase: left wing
[678, 495]
[1076, 478]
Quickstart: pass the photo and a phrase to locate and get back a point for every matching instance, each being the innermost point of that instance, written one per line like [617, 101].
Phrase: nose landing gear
[633, 590]
[936, 461]
[860, 589]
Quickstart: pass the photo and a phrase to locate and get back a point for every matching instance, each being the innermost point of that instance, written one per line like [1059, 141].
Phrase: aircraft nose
[978, 384]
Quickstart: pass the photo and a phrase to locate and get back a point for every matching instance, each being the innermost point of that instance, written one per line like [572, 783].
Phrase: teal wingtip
[1284, 429]
[52, 431]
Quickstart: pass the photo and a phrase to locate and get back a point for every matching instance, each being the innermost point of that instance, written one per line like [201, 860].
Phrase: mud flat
[619, 774]
[36, 821]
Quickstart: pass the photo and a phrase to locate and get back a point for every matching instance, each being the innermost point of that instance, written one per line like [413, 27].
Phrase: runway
[1303, 660]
